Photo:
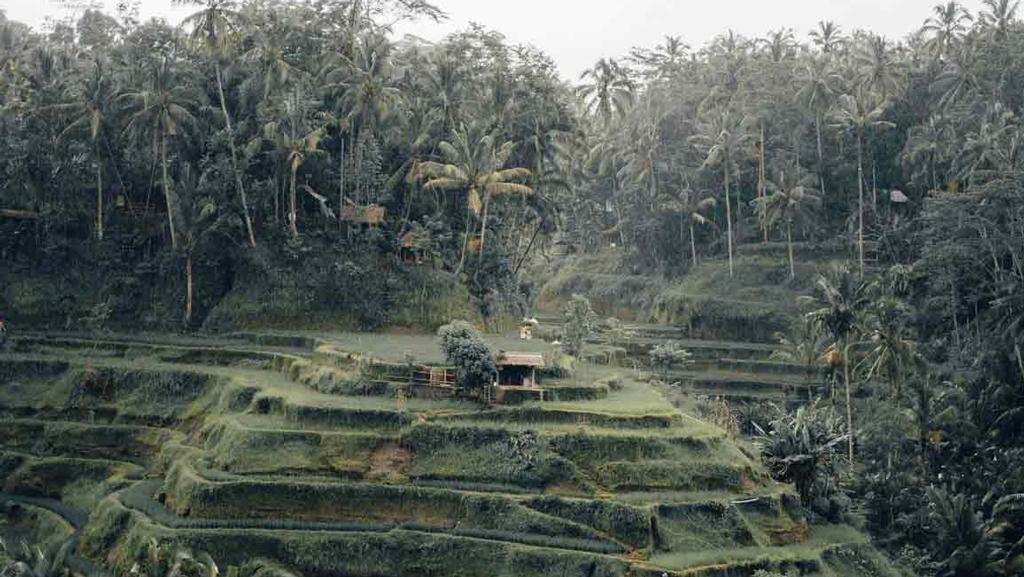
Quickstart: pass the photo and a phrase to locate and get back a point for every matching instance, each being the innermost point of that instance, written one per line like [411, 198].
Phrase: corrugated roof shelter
[519, 369]
[372, 215]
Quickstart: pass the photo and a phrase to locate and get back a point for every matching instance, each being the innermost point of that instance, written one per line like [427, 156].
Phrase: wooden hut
[414, 247]
[519, 369]
[371, 216]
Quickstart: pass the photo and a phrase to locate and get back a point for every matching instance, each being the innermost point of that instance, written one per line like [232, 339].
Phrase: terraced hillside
[308, 452]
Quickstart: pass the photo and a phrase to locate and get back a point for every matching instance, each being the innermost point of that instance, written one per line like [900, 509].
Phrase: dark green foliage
[578, 322]
[805, 450]
[465, 349]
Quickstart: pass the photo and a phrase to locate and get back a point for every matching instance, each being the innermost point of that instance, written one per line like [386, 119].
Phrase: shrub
[665, 357]
[578, 321]
[465, 348]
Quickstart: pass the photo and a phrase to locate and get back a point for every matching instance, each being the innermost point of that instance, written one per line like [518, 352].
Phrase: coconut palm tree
[946, 27]
[998, 16]
[926, 145]
[607, 90]
[890, 351]
[789, 200]
[693, 206]
[200, 218]
[838, 303]
[857, 114]
[877, 68]
[721, 140]
[161, 112]
[213, 27]
[474, 164]
[991, 147]
[293, 142]
[90, 106]
[818, 91]
[828, 37]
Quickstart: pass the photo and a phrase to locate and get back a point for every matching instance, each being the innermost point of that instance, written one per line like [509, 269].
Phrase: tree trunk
[789, 242]
[821, 155]
[849, 407]
[341, 181]
[483, 232]
[761, 174]
[239, 185]
[693, 245]
[293, 206]
[728, 216]
[167, 192]
[188, 288]
[860, 202]
[465, 244]
[99, 191]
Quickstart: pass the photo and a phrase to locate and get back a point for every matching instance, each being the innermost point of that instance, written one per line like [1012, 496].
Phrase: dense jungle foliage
[228, 171]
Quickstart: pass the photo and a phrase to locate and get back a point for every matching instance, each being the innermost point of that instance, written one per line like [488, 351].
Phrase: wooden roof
[520, 360]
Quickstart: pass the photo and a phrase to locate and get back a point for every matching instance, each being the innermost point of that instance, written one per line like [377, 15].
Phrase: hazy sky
[578, 32]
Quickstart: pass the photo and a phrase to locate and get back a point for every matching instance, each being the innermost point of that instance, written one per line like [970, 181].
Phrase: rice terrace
[357, 288]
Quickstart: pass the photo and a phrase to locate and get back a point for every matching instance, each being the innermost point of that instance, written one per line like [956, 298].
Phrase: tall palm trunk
[188, 288]
[821, 154]
[341, 181]
[860, 202]
[693, 245]
[789, 242]
[465, 244]
[728, 216]
[849, 406]
[239, 185]
[99, 190]
[483, 230]
[293, 204]
[167, 191]
[761, 178]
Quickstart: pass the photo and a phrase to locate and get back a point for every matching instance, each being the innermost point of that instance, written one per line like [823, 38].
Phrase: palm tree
[856, 114]
[213, 25]
[802, 346]
[991, 147]
[475, 165]
[607, 90]
[890, 352]
[946, 27]
[817, 93]
[721, 141]
[90, 109]
[828, 37]
[839, 301]
[876, 67]
[998, 16]
[161, 112]
[926, 144]
[200, 218]
[368, 95]
[293, 142]
[692, 206]
[789, 200]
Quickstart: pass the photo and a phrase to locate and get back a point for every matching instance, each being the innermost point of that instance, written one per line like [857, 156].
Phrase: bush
[466, 349]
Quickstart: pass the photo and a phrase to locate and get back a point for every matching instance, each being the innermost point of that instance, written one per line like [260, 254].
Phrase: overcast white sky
[578, 32]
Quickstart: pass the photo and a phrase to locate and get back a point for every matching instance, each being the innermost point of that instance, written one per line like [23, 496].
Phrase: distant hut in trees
[414, 247]
[370, 216]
